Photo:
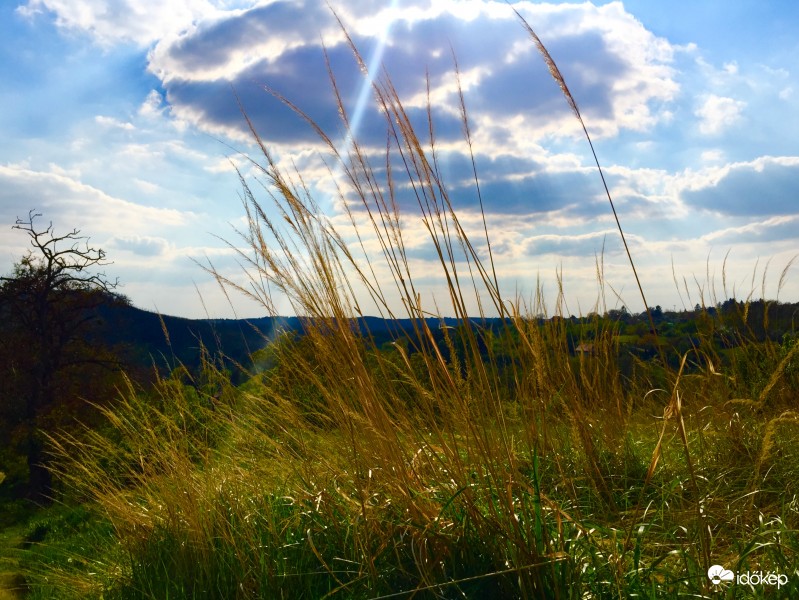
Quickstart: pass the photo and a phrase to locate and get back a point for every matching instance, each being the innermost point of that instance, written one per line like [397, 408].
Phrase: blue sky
[119, 118]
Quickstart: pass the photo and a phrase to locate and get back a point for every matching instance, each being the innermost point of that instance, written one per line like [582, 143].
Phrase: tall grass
[469, 462]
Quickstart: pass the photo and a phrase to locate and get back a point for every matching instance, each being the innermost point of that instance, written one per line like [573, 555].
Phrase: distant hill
[146, 338]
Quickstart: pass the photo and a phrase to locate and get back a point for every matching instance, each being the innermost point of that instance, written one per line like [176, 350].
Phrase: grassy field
[462, 462]
[463, 484]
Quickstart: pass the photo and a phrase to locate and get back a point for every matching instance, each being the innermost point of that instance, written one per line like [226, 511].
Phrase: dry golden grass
[460, 462]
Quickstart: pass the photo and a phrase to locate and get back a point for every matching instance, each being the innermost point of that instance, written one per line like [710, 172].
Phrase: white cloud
[141, 245]
[765, 231]
[145, 243]
[153, 105]
[111, 22]
[115, 123]
[228, 165]
[764, 186]
[717, 113]
[619, 72]
[148, 187]
[712, 156]
[73, 173]
[71, 203]
[731, 68]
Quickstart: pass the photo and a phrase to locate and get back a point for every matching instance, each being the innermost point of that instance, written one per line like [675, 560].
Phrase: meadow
[459, 461]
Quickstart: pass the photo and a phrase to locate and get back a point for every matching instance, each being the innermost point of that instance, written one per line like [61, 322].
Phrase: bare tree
[47, 305]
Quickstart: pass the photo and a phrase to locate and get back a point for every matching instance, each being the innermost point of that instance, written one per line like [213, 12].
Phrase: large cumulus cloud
[214, 58]
[604, 53]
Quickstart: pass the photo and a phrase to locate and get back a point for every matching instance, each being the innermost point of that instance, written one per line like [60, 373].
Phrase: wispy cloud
[141, 245]
[73, 203]
[112, 122]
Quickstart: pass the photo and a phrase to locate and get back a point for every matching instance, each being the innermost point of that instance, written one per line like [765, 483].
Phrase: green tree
[48, 306]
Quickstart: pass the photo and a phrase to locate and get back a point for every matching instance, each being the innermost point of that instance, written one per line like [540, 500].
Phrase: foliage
[47, 311]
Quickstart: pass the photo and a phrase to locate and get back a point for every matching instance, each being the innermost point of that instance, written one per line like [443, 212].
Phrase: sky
[122, 118]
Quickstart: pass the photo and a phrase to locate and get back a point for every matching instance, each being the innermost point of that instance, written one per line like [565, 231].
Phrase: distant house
[584, 349]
